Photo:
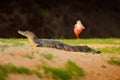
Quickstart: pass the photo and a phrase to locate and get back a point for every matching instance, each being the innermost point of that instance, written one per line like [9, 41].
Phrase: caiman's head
[27, 33]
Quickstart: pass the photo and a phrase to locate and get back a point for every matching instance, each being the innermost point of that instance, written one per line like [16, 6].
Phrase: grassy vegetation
[71, 70]
[57, 73]
[9, 68]
[17, 44]
[92, 40]
[29, 55]
[114, 60]
[3, 47]
[14, 41]
[115, 50]
[48, 56]
[74, 69]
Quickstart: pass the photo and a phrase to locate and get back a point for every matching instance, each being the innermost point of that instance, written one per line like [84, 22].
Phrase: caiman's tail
[77, 49]
[87, 49]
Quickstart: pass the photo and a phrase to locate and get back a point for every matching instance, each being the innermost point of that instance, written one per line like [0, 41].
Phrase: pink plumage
[78, 28]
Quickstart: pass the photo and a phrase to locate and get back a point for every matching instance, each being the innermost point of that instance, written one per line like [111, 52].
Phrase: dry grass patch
[70, 71]
[48, 56]
[114, 60]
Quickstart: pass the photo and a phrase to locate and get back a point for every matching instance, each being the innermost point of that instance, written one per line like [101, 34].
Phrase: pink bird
[78, 28]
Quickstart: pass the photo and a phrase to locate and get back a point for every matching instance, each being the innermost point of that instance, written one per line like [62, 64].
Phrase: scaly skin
[54, 44]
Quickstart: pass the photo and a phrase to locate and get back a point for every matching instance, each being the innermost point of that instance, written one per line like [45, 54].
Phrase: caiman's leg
[59, 46]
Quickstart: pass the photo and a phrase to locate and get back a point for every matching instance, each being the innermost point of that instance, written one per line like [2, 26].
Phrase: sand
[96, 66]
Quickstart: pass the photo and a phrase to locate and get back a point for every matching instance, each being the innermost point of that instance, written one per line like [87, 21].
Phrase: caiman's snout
[21, 32]
[26, 33]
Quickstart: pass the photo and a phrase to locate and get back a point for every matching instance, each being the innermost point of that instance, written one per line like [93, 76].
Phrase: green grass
[48, 56]
[57, 73]
[115, 50]
[3, 47]
[9, 68]
[3, 73]
[17, 44]
[36, 73]
[74, 69]
[71, 70]
[29, 55]
[114, 60]
[91, 40]
[14, 41]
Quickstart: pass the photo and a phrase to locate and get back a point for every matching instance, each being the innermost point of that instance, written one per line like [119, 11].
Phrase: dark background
[55, 18]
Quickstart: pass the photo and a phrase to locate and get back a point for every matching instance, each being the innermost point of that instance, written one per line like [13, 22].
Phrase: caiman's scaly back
[31, 36]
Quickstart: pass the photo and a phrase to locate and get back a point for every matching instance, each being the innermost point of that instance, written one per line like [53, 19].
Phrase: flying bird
[78, 28]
